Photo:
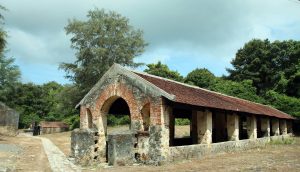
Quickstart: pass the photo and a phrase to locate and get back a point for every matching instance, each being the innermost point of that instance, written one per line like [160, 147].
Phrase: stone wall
[49, 130]
[9, 121]
[199, 151]
[84, 146]
[120, 149]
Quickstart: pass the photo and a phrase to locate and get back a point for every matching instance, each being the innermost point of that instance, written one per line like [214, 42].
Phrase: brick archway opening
[117, 115]
[116, 118]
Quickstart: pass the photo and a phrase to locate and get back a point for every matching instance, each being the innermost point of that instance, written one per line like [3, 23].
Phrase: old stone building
[218, 123]
[48, 127]
[9, 120]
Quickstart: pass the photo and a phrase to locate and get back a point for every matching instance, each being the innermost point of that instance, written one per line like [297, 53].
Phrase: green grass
[287, 141]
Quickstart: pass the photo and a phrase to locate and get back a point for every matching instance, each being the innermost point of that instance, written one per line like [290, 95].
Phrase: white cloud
[208, 32]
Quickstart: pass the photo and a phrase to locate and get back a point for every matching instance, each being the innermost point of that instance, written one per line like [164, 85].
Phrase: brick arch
[108, 96]
[108, 103]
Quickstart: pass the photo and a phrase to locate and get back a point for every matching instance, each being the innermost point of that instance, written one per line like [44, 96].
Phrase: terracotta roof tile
[205, 98]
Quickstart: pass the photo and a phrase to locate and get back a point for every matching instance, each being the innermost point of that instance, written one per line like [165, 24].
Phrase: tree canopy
[9, 72]
[163, 70]
[105, 38]
[201, 77]
[267, 64]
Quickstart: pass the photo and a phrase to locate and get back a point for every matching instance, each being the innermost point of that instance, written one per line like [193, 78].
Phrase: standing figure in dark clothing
[35, 129]
[38, 130]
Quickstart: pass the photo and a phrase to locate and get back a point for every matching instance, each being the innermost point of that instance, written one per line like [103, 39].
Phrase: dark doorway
[118, 117]
[243, 127]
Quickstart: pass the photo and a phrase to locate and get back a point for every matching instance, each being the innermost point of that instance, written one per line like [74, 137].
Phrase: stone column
[265, 126]
[283, 127]
[275, 126]
[233, 127]
[204, 127]
[251, 127]
[102, 132]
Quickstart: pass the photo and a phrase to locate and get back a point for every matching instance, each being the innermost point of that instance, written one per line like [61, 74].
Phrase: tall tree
[9, 76]
[263, 62]
[201, 77]
[2, 31]
[9, 72]
[163, 70]
[105, 38]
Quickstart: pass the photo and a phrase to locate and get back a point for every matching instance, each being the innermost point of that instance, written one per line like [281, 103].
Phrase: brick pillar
[204, 127]
[275, 126]
[233, 127]
[251, 127]
[283, 127]
[265, 127]
[83, 117]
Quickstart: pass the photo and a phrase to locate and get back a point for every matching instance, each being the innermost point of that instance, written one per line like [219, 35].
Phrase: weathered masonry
[9, 120]
[217, 122]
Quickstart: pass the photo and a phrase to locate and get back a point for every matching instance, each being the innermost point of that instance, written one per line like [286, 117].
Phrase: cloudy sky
[184, 34]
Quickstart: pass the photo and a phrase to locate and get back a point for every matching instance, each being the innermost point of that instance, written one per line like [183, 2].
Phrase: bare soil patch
[22, 153]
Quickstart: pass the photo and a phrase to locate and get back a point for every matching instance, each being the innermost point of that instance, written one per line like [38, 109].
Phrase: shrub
[73, 121]
[114, 120]
[26, 120]
[182, 121]
[286, 141]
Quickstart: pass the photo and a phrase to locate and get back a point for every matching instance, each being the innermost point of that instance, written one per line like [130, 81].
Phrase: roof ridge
[195, 87]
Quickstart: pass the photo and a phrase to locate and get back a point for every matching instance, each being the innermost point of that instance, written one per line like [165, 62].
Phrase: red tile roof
[46, 124]
[204, 98]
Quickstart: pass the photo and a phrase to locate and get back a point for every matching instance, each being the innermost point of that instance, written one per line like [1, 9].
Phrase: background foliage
[262, 71]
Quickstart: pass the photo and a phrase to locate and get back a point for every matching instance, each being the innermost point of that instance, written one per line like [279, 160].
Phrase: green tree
[263, 61]
[293, 85]
[9, 76]
[51, 92]
[163, 70]
[9, 72]
[290, 105]
[2, 31]
[68, 98]
[243, 89]
[205, 79]
[105, 38]
[201, 77]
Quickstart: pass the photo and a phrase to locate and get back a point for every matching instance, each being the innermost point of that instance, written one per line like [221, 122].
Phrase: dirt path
[57, 159]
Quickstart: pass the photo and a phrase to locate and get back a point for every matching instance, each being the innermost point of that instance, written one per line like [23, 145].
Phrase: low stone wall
[120, 149]
[49, 130]
[83, 146]
[199, 151]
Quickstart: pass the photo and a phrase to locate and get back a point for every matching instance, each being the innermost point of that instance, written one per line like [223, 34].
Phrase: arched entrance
[118, 117]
